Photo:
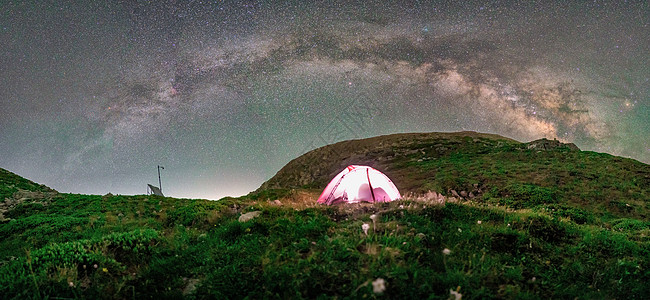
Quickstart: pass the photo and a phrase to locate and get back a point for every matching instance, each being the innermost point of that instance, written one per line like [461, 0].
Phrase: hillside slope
[485, 168]
[315, 168]
[544, 221]
[15, 190]
[11, 183]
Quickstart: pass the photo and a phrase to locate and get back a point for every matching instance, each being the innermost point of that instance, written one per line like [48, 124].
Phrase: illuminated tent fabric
[359, 183]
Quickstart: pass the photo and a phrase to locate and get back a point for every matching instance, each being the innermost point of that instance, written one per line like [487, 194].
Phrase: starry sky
[96, 94]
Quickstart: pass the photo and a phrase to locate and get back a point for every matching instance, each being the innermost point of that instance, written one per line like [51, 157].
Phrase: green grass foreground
[538, 220]
[78, 246]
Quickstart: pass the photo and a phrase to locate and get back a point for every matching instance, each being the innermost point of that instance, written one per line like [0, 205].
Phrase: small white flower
[533, 279]
[479, 222]
[401, 206]
[508, 224]
[446, 251]
[379, 286]
[460, 230]
[365, 228]
[71, 284]
[374, 218]
[456, 295]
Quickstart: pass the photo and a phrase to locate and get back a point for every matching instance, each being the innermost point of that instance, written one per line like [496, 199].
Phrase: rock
[471, 195]
[463, 194]
[454, 193]
[191, 286]
[23, 195]
[277, 202]
[547, 145]
[249, 216]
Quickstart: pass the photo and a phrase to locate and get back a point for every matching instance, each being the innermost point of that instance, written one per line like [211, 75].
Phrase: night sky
[223, 94]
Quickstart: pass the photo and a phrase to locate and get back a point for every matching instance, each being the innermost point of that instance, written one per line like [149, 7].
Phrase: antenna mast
[159, 182]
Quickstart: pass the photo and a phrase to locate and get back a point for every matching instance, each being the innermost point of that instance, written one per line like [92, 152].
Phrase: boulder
[191, 285]
[249, 216]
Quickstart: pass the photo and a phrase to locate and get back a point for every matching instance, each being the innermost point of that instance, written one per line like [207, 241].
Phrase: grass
[509, 174]
[540, 224]
[495, 169]
[147, 246]
[10, 183]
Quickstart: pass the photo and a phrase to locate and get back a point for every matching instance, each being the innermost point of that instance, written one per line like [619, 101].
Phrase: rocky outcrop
[24, 196]
[547, 145]
[471, 193]
[33, 195]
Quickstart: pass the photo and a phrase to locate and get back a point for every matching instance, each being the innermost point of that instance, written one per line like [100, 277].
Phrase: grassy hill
[483, 216]
[11, 183]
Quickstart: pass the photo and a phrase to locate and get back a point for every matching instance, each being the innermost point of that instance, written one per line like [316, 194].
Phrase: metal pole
[159, 182]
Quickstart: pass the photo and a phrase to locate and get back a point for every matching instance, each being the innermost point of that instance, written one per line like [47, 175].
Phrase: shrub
[546, 229]
[53, 268]
[629, 225]
[508, 241]
[527, 195]
[270, 194]
[194, 213]
[577, 215]
[25, 209]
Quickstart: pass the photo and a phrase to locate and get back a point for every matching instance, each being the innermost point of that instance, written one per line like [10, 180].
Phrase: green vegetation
[507, 173]
[549, 224]
[10, 183]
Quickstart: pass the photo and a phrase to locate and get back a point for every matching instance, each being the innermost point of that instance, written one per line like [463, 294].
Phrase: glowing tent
[359, 183]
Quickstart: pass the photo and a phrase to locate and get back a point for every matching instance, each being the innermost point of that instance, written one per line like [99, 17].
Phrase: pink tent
[359, 183]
